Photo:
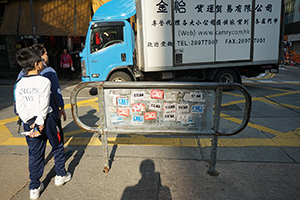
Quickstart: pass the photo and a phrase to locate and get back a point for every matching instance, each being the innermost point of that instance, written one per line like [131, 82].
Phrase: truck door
[108, 49]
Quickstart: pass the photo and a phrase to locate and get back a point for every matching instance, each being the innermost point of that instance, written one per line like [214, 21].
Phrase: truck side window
[105, 36]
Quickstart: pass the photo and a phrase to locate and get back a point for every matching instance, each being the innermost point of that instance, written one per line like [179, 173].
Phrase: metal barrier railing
[160, 108]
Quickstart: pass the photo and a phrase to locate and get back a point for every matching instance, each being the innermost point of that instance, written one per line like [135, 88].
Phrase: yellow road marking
[291, 106]
[290, 139]
[282, 94]
[279, 83]
[233, 94]
[234, 102]
[5, 133]
[255, 126]
[5, 121]
[269, 75]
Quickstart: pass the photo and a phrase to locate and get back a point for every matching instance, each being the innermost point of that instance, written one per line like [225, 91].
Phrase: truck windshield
[105, 36]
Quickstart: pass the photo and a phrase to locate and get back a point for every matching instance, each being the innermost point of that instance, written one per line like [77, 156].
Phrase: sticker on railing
[155, 106]
[197, 109]
[181, 108]
[115, 119]
[138, 95]
[157, 94]
[137, 120]
[150, 115]
[122, 102]
[123, 111]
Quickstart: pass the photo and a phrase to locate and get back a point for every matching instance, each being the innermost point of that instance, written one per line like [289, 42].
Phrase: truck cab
[109, 46]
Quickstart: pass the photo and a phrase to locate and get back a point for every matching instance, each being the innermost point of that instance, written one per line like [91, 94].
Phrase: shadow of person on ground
[149, 187]
[79, 145]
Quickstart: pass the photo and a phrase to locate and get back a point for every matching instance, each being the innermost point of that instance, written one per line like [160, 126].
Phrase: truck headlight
[83, 68]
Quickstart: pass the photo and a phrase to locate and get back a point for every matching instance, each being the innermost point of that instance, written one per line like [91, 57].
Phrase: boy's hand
[63, 113]
[41, 128]
[34, 132]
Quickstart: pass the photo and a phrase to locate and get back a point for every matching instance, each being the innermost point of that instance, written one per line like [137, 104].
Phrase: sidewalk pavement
[148, 172]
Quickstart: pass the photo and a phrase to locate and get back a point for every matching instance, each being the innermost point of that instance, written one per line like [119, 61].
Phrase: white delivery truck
[192, 40]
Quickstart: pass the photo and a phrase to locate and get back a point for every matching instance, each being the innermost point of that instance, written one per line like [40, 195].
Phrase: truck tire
[119, 77]
[227, 76]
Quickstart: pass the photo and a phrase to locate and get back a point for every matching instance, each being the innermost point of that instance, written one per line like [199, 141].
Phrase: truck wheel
[119, 77]
[226, 76]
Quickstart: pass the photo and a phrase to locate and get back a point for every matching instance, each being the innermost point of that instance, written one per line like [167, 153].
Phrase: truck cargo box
[186, 34]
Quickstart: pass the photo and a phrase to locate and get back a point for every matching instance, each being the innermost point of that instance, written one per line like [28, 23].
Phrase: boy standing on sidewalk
[32, 95]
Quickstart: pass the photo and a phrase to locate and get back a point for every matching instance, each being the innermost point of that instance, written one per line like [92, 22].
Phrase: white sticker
[185, 119]
[138, 95]
[115, 119]
[114, 92]
[170, 96]
[194, 97]
[155, 106]
[111, 109]
[171, 117]
[170, 107]
[183, 108]
[147, 97]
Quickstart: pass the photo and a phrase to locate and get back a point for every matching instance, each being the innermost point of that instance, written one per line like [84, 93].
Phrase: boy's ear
[36, 65]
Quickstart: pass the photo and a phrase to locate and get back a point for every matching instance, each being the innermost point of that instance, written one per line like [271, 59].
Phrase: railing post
[214, 142]
[213, 157]
[105, 151]
[103, 133]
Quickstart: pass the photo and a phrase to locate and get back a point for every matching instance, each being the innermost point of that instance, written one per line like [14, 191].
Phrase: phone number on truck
[196, 42]
[245, 41]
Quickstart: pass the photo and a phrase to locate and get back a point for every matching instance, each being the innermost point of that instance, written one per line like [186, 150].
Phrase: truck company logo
[150, 115]
[180, 7]
[162, 7]
[123, 111]
[157, 94]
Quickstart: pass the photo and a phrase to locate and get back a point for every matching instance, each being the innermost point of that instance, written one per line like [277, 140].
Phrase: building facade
[292, 24]
[56, 24]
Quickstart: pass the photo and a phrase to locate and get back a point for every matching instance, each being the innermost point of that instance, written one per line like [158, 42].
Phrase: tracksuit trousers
[37, 146]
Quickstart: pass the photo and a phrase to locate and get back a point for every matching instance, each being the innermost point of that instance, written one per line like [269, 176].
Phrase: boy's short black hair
[39, 47]
[27, 57]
